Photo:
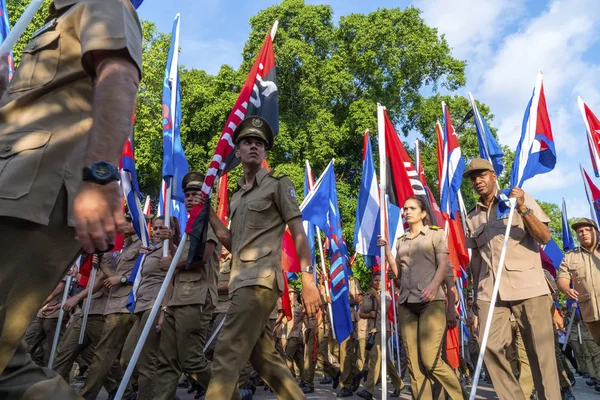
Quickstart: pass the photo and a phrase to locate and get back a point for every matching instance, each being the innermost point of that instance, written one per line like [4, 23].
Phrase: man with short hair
[523, 292]
[260, 209]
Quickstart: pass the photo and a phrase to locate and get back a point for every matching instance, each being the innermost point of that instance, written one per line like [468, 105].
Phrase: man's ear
[237, 152]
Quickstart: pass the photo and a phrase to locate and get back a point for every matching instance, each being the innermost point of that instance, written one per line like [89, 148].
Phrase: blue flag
[175, 164]
[367, 225]
[309, 228]
[567, 235]
[489, 149]
[554, 253]
[321, 208]
[137, 3]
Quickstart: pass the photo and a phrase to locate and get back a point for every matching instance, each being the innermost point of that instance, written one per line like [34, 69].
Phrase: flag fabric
[367, 210]
[593, 196]
[223, 199]
[535, 153]
[554, 253]
[321, 208]
[453, 166]
[137, 3]
[309, 228]
[567, 235]
[258, 97]
[131, 191]
[489, 149]
[592, 127]
[175, 164]
[547, 262]
[4, 30]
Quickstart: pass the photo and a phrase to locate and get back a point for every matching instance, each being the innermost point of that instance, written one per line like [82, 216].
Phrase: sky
[505, 43]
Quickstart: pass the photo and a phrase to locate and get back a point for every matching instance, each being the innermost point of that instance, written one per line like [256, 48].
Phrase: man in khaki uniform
[317, 345]
[68, 106]
[189, 311]
[118, 321]
[69, 348]
[40, 334]
[261, 207]
[523, 291]
[581, 267]
[348, 362]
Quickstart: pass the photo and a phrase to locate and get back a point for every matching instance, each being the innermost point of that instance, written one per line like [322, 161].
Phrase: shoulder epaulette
[434, 227]
[276, 174]
[574, 250]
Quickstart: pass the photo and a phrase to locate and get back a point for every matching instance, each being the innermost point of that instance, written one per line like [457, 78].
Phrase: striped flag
[567, 235]
[592, 127]
[593, 195]
[453, 166]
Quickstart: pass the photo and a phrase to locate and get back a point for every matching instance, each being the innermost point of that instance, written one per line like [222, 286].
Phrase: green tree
[15, 8]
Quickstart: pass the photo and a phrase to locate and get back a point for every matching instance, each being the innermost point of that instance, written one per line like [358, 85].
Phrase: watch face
[101, 171]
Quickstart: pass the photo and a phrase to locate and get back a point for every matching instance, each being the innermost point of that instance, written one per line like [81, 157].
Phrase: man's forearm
[538, 229]
[115, 90]
[57, 291]
[221, 231]
[563, 284]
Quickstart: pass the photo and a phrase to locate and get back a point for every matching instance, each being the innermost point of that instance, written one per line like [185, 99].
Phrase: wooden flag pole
[488, 323]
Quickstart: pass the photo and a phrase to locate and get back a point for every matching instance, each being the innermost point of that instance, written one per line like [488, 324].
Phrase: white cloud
[559, 178]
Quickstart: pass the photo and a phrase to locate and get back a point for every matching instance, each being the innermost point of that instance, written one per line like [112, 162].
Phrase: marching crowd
[221, 330]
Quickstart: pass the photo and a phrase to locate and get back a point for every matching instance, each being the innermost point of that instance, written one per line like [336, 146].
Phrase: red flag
[285, 298]
[223, 199]
[85, 268]
[452, 347]
[592, 125]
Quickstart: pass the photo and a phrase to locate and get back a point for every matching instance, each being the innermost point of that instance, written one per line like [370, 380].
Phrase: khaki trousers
[316, 341]
[517, 357]
[594, 328]
[361, 354]
[423, 329]
[375, 368]
[294, 351]
[579, 354]
[69, 348]
[244, 337]
[348, 364]
[535, 324]
[34, 260]
[40, 335]
[183, 336]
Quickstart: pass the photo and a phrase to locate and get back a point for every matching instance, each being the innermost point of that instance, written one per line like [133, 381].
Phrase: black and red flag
[258, 97]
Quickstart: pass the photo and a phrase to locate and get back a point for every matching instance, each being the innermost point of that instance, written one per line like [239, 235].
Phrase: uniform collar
[132, 239]
[423, 232]
[260, 175]
[480, 201]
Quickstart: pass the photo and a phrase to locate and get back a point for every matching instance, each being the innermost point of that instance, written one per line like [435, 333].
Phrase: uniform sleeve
[110, 262]
[439, 242]
[287, 203]
[110, 25]
[211, 236]
[469, 241]
[563, 270]
[536, 209]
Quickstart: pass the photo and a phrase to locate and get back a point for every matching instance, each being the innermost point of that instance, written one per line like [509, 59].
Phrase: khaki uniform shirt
[362, 328]
[152, 279]
[193, 286]
[100, 298]
[369, 304]
[524, 275]
[582, 268]
[46, 112]
[258, 219]
[117, 298]
[416, 258]
[224, 274]
[295, 332]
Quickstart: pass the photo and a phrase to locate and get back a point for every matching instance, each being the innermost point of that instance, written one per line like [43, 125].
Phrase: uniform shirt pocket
[20, 157]
[39, 63]
[257, 215]
[480, 237]
[253, 263]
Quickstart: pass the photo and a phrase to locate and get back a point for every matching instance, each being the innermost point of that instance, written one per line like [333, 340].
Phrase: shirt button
[7, 147]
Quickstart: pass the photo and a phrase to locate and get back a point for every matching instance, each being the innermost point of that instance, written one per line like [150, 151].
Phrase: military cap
[192, 181]
[478, 164]
[584, 222]
[254, 126]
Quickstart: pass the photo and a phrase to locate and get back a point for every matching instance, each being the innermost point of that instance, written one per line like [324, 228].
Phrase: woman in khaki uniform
[420, 266]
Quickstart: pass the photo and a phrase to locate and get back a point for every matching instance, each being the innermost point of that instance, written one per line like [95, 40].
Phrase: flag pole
[17, 31]
[88, 299]
[396, 327]
[479, 122]
[488, 323]
[322, 253]
[382, 204]
[150, 321]
[61, 314]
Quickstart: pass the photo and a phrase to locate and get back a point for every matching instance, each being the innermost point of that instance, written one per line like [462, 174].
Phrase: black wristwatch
[100, 173]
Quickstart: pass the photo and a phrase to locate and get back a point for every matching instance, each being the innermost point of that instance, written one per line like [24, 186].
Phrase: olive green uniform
[45, 120]
[258, 218]
[187, 323]
[294, 348]
[523, 292]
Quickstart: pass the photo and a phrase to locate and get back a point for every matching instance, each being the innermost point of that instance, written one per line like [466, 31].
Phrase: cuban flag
[593, 195]
[131, 191]
[489, 149]
[592, 127]
[452, 168]
[175, 165]
[535, 153]
[321, 208]
[367, 225]
[567, 235]
[309, 228]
